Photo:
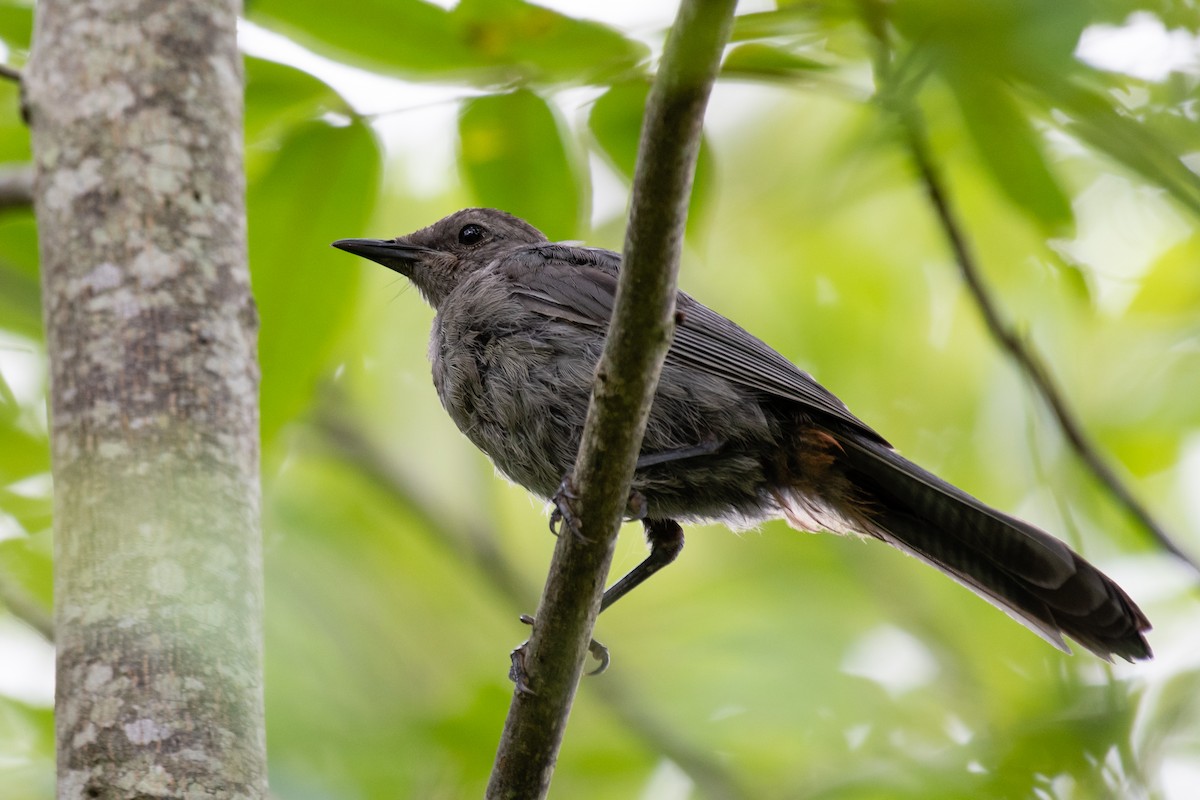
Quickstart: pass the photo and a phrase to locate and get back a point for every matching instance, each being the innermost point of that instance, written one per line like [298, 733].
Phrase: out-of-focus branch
[477, 546]
[1026, 358]
[16, 188]
[898, 99]
[473, 544]
[24, 608]
[11, 73]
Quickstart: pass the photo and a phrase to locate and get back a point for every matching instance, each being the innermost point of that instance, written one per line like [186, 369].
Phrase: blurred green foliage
[769, 664]
[511, 142]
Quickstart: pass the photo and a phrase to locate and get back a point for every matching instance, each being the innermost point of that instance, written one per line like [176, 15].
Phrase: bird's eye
[471, 234]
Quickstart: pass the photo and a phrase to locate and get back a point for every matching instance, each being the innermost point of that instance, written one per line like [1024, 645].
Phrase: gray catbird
[736, 433]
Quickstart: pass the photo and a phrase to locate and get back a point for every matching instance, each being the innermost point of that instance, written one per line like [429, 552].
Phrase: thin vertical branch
[639, 335]
[1025, 357]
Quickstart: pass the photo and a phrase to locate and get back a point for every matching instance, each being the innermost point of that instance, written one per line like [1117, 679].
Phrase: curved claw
[516, 672]
[517, 675]
[600, 653]
[562, 515]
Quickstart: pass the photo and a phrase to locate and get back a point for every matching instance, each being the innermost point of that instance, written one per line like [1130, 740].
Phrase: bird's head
[437, 258]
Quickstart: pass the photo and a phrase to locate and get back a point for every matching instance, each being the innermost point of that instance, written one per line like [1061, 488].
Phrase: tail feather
[1035, 578]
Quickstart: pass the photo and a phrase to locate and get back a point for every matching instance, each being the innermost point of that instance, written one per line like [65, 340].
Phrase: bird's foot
[637, 507]
[518, 674]
[563, 516]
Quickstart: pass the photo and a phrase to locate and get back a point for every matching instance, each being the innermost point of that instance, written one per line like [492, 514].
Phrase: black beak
[389, 253]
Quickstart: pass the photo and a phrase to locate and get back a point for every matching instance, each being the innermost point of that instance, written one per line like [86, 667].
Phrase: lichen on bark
[135, 108]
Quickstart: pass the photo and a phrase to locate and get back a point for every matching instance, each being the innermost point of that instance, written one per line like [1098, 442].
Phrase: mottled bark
[136, 110]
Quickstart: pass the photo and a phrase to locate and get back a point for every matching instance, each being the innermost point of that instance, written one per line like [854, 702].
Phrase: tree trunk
[136, 112]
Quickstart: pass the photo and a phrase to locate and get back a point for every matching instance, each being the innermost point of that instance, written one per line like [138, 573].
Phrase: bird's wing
[575, 284]
[578, 284]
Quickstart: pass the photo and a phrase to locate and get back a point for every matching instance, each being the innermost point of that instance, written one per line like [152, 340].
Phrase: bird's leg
[665, 537]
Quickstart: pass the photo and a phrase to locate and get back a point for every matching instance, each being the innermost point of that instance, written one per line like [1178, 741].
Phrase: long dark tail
[1032, 576]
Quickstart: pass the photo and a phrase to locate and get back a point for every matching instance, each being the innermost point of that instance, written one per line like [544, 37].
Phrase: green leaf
[406, 36]
[1025, 37]
[616, 124]
[770, 24]
[488, 42]
[23, 454]
[1093, 119]
[33, 513]
[14, 134]
[16, 25]
[279, 96]
[767, 61]
[1147, 450]
[8, 402]
[1010, 148]
[20, 289]
[1172, 286]
[27, 740]
[529, 42]
[1172, 13]
[512, 153]
[321, 187]
[981, 47]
